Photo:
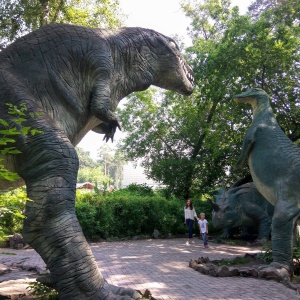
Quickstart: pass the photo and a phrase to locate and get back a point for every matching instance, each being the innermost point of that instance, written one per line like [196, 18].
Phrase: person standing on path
[203, 225]
[189, 217]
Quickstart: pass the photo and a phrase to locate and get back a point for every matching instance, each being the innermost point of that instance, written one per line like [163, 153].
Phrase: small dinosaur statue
[274, 162]
[75, 76]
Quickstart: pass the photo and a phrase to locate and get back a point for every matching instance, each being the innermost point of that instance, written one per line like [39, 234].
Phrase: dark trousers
[190, 224]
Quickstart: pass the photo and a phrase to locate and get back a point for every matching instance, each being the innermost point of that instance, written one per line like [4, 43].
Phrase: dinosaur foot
[112, 292]
[107, 292]
[278, 272]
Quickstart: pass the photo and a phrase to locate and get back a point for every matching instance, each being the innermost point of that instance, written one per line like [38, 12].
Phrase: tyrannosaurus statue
[75, 76]
[274, 162]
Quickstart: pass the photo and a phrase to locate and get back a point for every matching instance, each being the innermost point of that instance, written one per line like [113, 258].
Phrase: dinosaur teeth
[185, 69]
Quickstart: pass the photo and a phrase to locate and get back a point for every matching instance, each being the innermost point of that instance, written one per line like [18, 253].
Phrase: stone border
[260, 271]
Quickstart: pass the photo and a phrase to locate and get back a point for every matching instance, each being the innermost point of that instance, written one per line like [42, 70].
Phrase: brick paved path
[162, 267]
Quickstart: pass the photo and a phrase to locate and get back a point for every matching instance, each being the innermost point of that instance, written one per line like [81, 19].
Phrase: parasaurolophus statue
[274, 162]
[75, 77]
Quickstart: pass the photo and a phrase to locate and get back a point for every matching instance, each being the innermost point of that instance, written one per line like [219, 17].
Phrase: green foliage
[12, 205]
[8, 253]
[88, 216]
[42, 292]
[85, 161]
[112, 162]
[196, 144]
[20, 17]
[232, 262]
[136, 210]
[266, 253]
[124, 214]
[296, 255]
[94, 175]
[108, 169]
[139, 189]
[11, 128]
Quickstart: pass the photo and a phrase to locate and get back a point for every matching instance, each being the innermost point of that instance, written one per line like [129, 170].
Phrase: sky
[164, 16]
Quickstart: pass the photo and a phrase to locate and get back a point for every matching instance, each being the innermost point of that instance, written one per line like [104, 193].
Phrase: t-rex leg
[51, 226]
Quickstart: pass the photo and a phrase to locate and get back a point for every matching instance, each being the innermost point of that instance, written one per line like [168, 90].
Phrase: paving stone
[162, 266]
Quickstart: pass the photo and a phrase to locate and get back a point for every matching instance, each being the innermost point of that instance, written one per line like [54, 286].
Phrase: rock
[156, 233]
[248, 272]
[15, 289]
[193, 263]
[16, 241]
[203, 269]
[270, 273]
[4, 269]
[224, 272]
[254, 268]
[233, 271]
[213, 270]
[203, 260]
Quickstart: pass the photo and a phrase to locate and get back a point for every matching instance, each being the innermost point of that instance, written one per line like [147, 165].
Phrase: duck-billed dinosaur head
[252, 96]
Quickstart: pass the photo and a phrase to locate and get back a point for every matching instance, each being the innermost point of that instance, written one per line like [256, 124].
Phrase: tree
[84, 159]
[190, 144]
[93, 175]
[19, 17]
[112, 163]
[108, 169]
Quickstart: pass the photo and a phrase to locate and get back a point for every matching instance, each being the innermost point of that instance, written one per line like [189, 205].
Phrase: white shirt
[189, 213]
[202, 224]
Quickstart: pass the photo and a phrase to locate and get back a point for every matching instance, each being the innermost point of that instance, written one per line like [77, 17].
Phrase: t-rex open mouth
[187, 70]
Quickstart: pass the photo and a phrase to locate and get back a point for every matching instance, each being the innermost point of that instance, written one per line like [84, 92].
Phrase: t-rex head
[252, 96]
[158, 61]
[170, 68]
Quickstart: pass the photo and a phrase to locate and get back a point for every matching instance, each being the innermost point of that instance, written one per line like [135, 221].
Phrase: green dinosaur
[75, 76]
[274, 162]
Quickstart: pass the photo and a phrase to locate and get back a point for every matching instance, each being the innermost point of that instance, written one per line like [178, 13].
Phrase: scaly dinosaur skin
[242, 206]
[274, 162]
[75, 76]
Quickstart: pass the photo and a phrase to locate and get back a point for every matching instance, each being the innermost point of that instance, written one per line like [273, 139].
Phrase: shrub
[12, 206]
[127, 213]
[136, 210]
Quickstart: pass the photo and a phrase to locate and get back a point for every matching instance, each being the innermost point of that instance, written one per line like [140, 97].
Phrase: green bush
[136, 210]
[127, 213]
[12, 206]
[42, 292]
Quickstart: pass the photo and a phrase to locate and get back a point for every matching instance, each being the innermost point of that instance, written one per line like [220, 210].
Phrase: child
[203, 226]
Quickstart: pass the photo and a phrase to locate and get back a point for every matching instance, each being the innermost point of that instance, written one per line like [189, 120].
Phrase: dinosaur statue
[274, 162]
[75, 76]
[242, 206]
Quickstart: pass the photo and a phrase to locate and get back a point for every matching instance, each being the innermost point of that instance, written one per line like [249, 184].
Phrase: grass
[235, 261]
[8, 253]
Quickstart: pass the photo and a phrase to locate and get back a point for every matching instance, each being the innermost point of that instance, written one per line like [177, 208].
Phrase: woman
[189, 216]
